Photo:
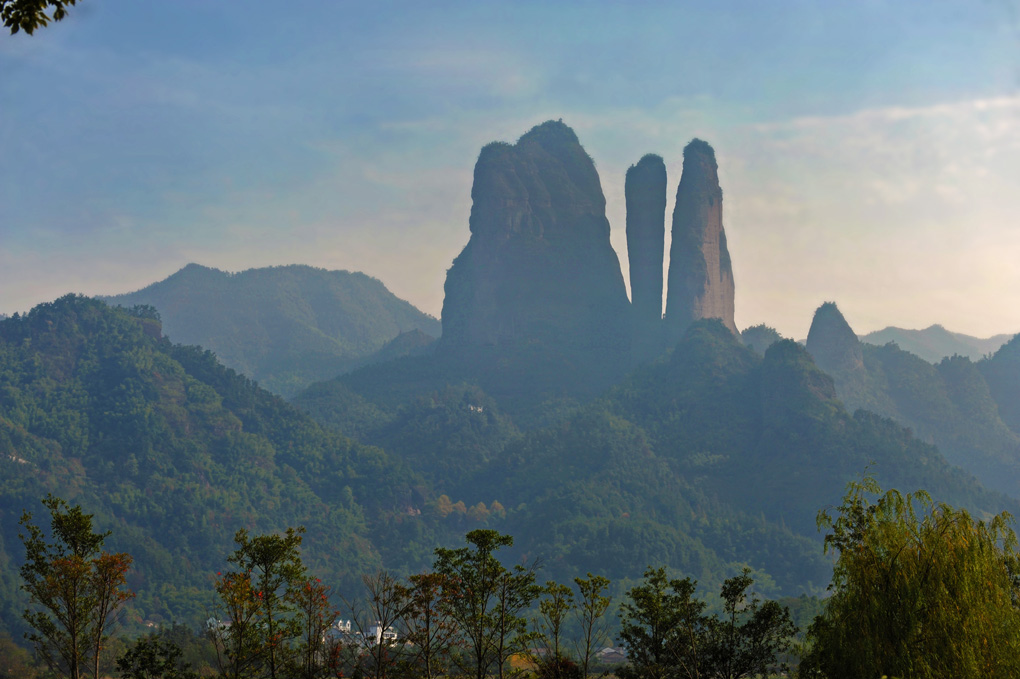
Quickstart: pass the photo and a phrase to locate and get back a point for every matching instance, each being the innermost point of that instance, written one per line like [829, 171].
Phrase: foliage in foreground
[920, 589]
[75, 587]
[668, 634]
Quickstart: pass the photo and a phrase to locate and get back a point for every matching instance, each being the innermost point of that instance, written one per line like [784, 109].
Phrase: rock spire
[700, 283]
[538, 270]
[645, 190]
[833, 343]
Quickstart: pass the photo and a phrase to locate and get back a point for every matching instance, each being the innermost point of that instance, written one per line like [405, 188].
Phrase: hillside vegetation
[283, 326]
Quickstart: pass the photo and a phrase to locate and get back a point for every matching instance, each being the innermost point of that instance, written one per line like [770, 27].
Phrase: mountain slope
[173, 453]
[709, 458]
[950, 404]
[935, 342]
[283, 326]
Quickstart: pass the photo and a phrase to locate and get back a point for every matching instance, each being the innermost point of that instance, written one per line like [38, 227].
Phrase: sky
[869, 151]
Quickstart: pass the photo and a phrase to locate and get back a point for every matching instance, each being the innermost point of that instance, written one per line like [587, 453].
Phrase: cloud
[901, 213]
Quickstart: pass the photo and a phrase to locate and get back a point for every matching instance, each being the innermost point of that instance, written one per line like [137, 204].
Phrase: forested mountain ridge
[599, 451]
[283, 326]
[173, 453]
[935, 342]
[964, 408]
[710, 457]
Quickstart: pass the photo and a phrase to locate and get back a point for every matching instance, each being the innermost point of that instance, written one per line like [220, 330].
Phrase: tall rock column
[538, 275]
[645, 189]
[700, 283]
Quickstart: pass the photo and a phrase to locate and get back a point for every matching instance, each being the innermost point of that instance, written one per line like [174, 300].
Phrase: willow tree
[919, 589]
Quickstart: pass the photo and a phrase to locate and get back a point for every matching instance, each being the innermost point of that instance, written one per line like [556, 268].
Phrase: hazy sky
[869, 151]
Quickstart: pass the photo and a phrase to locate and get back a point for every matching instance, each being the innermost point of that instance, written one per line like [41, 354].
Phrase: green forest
[699, 474]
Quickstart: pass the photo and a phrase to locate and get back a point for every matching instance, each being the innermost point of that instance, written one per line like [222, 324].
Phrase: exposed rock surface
[645, 190]
[832, 342]
[539, 271]
[700, 273]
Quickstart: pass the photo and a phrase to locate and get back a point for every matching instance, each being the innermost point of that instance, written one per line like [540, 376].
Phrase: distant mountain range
[709, 458]
[283, 326]
[967, 408]
[602, 440]
[935, 343]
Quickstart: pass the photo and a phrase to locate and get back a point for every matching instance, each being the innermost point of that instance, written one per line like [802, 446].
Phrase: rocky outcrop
[700, 273]
[539, 270]
[832, 342]
[645, 189]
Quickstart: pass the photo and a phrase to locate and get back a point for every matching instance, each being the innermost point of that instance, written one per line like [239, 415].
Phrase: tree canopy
[28, 15]
[920, 589]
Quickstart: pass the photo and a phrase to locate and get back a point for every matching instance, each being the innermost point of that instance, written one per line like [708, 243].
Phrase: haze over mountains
[935, 342]
[284, 326]
[602, 435]
[952, 404]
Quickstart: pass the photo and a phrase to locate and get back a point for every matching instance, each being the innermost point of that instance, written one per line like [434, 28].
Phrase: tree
[77, 586]
[235, 637]
[553, 611]
[15, 661]
[385, 606]
[429, 623]
[590, 614]
[487, 600]
[747, 639]
[154, 657]
[28, 15]
[668, 634]
[662, 627]
[261, 618]
[317, 617]
[516, 591]
[919, 589]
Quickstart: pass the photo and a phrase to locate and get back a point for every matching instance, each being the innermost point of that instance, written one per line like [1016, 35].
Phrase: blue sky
[869, 151]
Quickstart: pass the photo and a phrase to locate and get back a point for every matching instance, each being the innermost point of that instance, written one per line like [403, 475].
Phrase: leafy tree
[312, 600]
[28, 15]
[668, 634]
[234, 636]
[262, 619]
[487, 601]
[749, 636]
[430, 627]
[154, 657]
[663, 627]
[553, 611]
[77, 586]
[516, 591]
[919, 589]
[590, 613]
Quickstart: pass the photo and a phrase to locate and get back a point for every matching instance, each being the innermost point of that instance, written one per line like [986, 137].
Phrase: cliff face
[645, 189]
[538, 269]
[700, 273]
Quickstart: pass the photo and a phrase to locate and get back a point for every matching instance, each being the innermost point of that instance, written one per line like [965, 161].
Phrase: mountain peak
[832, 342]
[538, 267]
[700, 271]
